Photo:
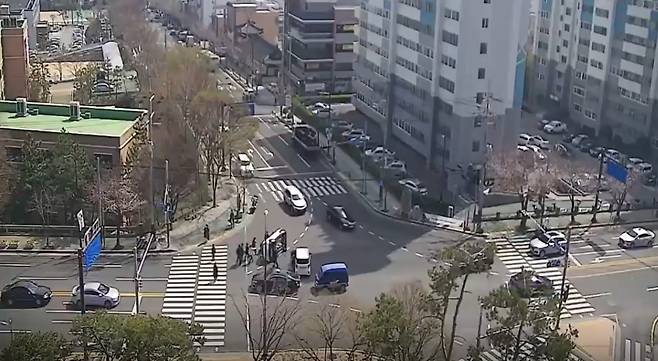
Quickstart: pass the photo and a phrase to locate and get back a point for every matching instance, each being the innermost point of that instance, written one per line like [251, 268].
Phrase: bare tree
[576, 180]
[619, 191]
[279, 317]
[119, 196]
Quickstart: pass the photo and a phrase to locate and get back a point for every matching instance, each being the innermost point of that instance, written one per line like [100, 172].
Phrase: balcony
[305, 37]
[313, 53]
[311, 16]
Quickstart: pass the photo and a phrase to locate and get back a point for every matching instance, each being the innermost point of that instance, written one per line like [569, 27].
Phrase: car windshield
[103, 289]
[543, 237]
[302, 260]
[245, 162]
[295, 197]
[632, 233]
[342, 213]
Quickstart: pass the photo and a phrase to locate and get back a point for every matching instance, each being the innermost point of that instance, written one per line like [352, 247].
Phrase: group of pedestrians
[246, 252]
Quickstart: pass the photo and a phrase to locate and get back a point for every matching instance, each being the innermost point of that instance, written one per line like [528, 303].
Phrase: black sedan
[25, 294]
[276, 281]
[530, 284]
[339, 216]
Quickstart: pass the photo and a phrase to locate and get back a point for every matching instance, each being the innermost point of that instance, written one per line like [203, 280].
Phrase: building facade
[595, 61]
[15, 57]
[30, 11]
[426, 70]
[319, 40]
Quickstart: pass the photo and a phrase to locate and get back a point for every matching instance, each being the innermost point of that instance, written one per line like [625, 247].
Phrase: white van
[246, 167]
[301, 261]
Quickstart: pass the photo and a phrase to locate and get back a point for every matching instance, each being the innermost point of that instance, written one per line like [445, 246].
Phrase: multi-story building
[594, 61]
[28, 10]
[426, 69]
[319, 39]
[15, 58]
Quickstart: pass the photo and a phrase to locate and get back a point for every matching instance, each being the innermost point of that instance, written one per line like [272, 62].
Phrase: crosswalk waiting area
[310, 187]
[194, 295]
[513, 252]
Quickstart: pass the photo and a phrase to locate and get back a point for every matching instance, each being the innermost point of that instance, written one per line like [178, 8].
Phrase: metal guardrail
[57, 230]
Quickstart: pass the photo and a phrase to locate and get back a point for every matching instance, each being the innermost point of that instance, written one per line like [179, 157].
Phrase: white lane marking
[574, 260]
[419, 255]
[597, 295]
[371, 233]
[304, 160]
[594, 252]
[405, 249]
[257, 152]
[391, 243]
[312, 301]
[43, 278]
[600, 259]
[284, 141]
[15, 265]
[651, 289]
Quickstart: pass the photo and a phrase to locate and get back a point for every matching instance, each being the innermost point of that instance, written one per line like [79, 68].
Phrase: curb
[375, 209]
[578, 226]
[74, 251]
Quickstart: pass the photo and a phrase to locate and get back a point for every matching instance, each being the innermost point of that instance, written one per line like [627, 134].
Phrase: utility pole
[489, 118]
[266, 256]
[167, 200]
[479, 329]
[150, 140]
[136, 281]
[100, 198]
[563, 288]
[595, 209]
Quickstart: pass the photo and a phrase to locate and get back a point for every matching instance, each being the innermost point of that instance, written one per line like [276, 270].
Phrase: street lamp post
[151, 150]
[265, 257]
[598, 185]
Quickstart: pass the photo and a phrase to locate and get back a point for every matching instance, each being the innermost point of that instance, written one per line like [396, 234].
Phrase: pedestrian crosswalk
[181, 284]
[636, 351]
[310, 187]
[514, 254]
[210, 303]
[526, 349]
[194, 294]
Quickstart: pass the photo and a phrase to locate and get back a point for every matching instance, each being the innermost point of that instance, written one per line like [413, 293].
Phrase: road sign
[81, 220]
[617, 171]
[92, 251]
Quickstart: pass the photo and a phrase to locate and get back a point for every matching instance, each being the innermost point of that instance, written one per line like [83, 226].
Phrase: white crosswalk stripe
[310, 187]
[179, 293]
[514, 254]
[210, 305]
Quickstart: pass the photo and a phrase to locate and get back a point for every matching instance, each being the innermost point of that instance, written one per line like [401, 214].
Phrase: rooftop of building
[18, 4]
[52, 118]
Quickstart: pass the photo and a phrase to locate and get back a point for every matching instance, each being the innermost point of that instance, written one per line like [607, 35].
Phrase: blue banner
[617, 171]
[92, 251]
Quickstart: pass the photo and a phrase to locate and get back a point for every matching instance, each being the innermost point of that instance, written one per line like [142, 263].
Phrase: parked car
[585, 145]
[294, 198]
[322, 113]
[567, 138]
[379, 152]
[25, 293]
[530, 284]
[339, 216]
[578, 138]
[595, 152]
[542, 123]
[539, 141]
[644, 169]
[396, 168]
[343, 125]
[538, 152]
[275, 281]
[320, 106]
[415, 185]
[633, 162]
[96, 294]
[562, 150]
[300, 259]
[353, 133]
[333, 277]
[524, 139]
[614, 154]
[360, 141]
[637, 237]
[555, 127]
[548, 244]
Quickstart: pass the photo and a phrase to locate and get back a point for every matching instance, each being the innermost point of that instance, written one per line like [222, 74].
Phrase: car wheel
[542, 253]
[37, 302]
[650, 243]
[10, 302]
[107, 304]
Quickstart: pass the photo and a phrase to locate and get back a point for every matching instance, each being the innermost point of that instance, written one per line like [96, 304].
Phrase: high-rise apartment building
[426, 69]
[595, 60]
[318, 43]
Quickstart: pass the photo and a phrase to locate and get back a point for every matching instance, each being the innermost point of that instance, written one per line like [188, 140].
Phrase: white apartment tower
[594, 60]
[423, 66]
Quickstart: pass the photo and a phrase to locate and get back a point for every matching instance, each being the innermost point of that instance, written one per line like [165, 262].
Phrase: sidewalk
[597, 338]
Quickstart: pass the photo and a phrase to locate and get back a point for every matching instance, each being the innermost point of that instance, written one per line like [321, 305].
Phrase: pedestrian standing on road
[239, 253]
[215, 272]
[213, 250]
[249, 257]
[206, 232]
[253, 244]
[284, 243]
[275, 258]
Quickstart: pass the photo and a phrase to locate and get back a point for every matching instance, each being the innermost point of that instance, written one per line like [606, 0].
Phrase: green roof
[103, 121]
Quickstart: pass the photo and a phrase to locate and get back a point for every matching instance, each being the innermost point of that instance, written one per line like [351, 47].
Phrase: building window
[563, 59]
[485, 23]
[447, 84]
[577, 107]
[579, 91]
[565, 43]
[479, 97]
[483, 48]
[481, 72]
[345, 28]
[598, 47]
[583, 41]
[602, 12]
[487, 1]
[475, 146]
[446, 60]
[451, 14]
[590, 114]
[541, 60]
[567, 27]
[583, 59]
[585, 25]
[450, 38]
[581, 75]
[559, 74]
[542, 45]
[540, 76]
[600, 30]
[595, 63]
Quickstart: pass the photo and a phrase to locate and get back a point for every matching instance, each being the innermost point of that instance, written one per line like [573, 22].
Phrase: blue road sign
[616, 171]
[92, 251]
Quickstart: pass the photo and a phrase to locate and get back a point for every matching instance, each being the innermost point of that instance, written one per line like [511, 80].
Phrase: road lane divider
[597, 295]
[17, 265]
[36, 278]
[651, 289]
[147, 294]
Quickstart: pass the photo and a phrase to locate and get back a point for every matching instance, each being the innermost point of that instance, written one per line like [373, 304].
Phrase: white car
[322, 113]
[353, 133]
[539, 141]
[96, 294]
[245, 164]
[301, 260]
[396, 168]
[320, 106]
[524, 139]
[550, 243]
[379, 152]
[637, 237]
[294, 198]
[555, 127]
[414, 185]
[633, 162]
[613, 153]
[537, 151]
